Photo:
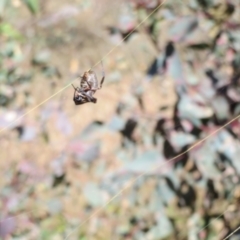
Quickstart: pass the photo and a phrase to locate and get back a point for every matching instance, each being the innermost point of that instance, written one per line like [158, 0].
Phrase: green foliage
[33, 5]
[7, 30]
[71, 160]
[2, 6]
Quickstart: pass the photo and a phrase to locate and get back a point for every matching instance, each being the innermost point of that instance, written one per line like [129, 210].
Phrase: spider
[88, 86]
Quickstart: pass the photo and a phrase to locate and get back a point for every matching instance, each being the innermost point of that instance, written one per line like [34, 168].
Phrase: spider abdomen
[89, 79]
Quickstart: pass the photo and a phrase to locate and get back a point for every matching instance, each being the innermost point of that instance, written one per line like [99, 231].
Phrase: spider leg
[103, 76]
[89, 85]
[101, 83]
[73, 86]
[88, 95]
[77, 89]
[74, 94]
[95, 89]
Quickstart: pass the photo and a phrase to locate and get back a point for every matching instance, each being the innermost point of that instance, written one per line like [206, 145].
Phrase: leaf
[128, 130]
[173, 177]
[58, 164]
[51, 226]
[92, 128]
[194, 222]
[54, 206]
[6, 95]
[199, 46]
[205, 3]
[50, 71]
[234, 35]
[162, 230]
[7, 226]
[181, 139]
[91, 153]
[145, 161]
[63, 123]
[9, 31]
[190, 110]
[84, 152]
[205, 157]
[126, 23]
[33, 5]
[41, 58]
[64, 13]
[167, 14]
[156, 25]
[156, 66]
[114, 77]
[192, 78]
[3, 75]
[46, 234]
[93, 194]
[3, 4]
[155, 202]
[164, 191]
[225, 144]
[123, 229]
[28, 168]
[197, 38]
[182, 28]
[223, 111]
[116, 123]
[8, 119]
[29, 133]
[175, 70]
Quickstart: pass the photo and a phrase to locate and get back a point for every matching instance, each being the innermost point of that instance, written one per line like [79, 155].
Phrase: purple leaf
[30, 169]
[8, 119]
[63, 123]
[91, 153]
[29, 133]
[84, 152]
[49, 109]
[26, 168]
[13, 202]
[57, 165]
[126, 23]
[233, 94]
[197, 36]
[182, 28]
[174, 69]
[191, 110]
[7, 226]
[63, 13]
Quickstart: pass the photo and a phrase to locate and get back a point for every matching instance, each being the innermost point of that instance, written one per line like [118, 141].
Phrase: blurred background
[172, 82]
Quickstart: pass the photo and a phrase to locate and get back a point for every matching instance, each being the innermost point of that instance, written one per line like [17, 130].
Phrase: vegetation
[172, 79]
